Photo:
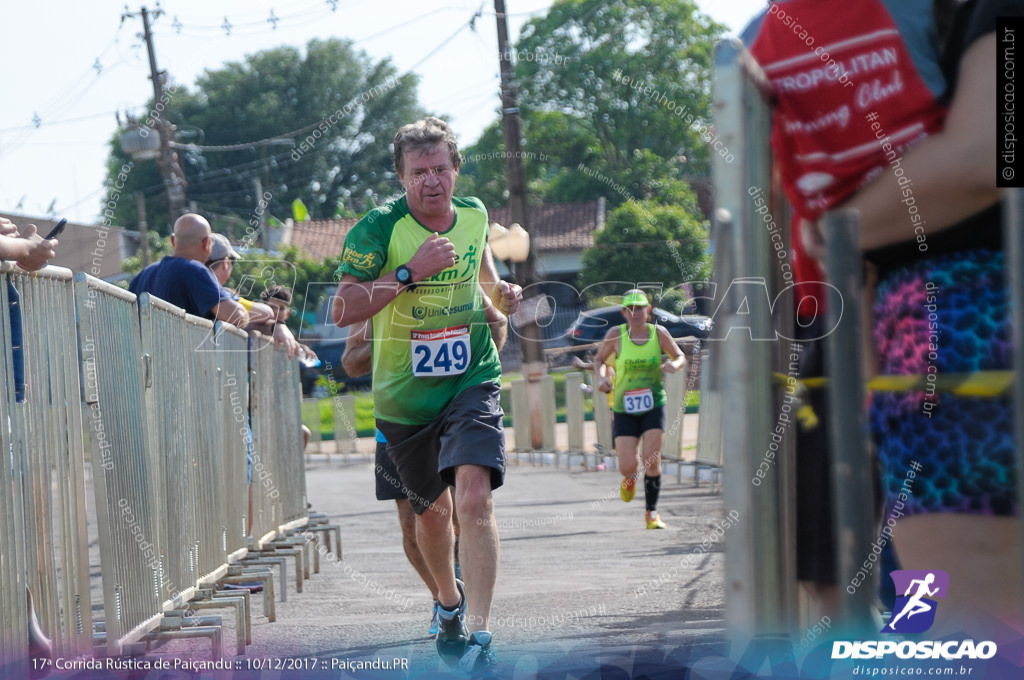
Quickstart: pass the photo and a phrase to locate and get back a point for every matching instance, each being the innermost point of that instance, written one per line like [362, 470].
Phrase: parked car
[592, 325]
[329, 351]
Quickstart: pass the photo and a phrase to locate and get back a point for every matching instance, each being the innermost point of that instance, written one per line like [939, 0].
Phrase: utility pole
[512, 127]
[166, 161]
[140, 206]
[530, 337]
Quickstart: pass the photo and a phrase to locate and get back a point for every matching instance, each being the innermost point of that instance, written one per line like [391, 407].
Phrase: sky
[71, 66]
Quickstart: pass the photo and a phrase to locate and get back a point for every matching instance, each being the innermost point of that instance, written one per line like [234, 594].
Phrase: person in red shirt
[868, 115]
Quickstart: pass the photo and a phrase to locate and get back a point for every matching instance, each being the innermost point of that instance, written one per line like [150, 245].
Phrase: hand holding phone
[56, 231]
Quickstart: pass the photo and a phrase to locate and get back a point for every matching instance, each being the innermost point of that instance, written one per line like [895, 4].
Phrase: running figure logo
[915, 609]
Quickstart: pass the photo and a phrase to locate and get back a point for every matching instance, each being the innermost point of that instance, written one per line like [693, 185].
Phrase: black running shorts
[389, 485]
[630, 425]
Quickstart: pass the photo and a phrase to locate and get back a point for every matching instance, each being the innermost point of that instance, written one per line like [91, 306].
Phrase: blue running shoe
[479, 661]
[451, 630]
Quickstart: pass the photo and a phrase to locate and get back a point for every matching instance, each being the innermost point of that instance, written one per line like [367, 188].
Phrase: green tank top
[638, 386]
[432, 343]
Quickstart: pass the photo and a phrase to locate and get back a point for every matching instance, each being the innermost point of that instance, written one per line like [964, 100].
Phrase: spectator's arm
[307, 352]
[953, 172]
[261, 313]
[232, 312]
[283, 338]
[357, 359]
[30, 250]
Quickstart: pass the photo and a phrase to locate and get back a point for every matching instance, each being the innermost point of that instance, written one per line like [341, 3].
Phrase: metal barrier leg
[851, 465]
[322, 527]
[241, 615]
[290, 549]
[266, 578]
[246, 598]
[176, 626]
[267, 560]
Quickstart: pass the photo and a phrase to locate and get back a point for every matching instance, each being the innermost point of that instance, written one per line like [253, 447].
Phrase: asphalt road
[583, 587]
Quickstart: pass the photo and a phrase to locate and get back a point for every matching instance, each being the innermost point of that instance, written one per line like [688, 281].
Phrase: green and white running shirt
[638, 387]
[431, 343]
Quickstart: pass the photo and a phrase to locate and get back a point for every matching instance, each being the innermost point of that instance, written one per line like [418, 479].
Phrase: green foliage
[645, 243]
[158, 248]
[587, 131]
[334, 160]
[666, 44]
[255, 272]
[676, 301]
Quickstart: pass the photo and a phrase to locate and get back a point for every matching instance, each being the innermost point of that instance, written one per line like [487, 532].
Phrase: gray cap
[222, 249]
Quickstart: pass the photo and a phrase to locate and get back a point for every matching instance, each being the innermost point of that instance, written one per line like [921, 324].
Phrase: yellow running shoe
[654, 520]
[627, 489]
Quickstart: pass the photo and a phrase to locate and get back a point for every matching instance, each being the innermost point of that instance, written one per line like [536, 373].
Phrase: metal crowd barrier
[13, 575]
[233, 501]
[124, 474]
[1013, 238]
[152, 406]
[43, 544]
[848, 446]
[278, 481]
[601, 449]
[207, 459]
[54, 461]
[761, 550]
[199, 436]
[288, 445]
[761, 547]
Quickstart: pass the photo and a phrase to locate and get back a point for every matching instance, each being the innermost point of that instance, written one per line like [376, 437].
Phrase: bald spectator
[183, 279]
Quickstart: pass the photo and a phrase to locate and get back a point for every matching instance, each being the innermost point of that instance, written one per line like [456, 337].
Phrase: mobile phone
[56, 231]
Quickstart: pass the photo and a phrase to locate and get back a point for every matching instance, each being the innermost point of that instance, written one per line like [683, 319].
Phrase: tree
[610, 93]
[646, 243]
[326, 117]
[254, 273]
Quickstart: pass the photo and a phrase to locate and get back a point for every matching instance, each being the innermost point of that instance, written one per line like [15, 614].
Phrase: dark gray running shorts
[389, 485]
[468, 432]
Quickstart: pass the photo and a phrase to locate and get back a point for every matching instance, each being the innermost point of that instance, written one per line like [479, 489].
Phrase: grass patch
[324, 408]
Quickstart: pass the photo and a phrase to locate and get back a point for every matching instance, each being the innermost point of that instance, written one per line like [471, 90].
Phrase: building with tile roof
[93, 249]
[559, 234]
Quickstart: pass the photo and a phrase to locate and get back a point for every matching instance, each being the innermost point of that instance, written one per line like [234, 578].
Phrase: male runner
[416, 266]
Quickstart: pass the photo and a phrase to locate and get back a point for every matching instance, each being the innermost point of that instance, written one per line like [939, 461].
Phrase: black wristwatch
[404, 276]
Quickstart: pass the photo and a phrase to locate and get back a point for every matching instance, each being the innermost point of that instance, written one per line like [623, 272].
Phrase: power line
[59, 122]
[269, 141]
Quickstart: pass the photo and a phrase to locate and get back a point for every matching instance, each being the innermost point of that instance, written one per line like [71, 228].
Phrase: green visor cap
[635, 298]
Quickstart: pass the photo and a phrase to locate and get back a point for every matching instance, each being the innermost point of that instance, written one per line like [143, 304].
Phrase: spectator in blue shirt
[183, 278]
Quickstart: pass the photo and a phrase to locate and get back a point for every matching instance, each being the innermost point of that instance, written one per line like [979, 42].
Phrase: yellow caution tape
[978, 384]
[984, 384]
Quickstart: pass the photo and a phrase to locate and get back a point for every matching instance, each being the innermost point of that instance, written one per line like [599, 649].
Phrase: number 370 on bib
[441, 352]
